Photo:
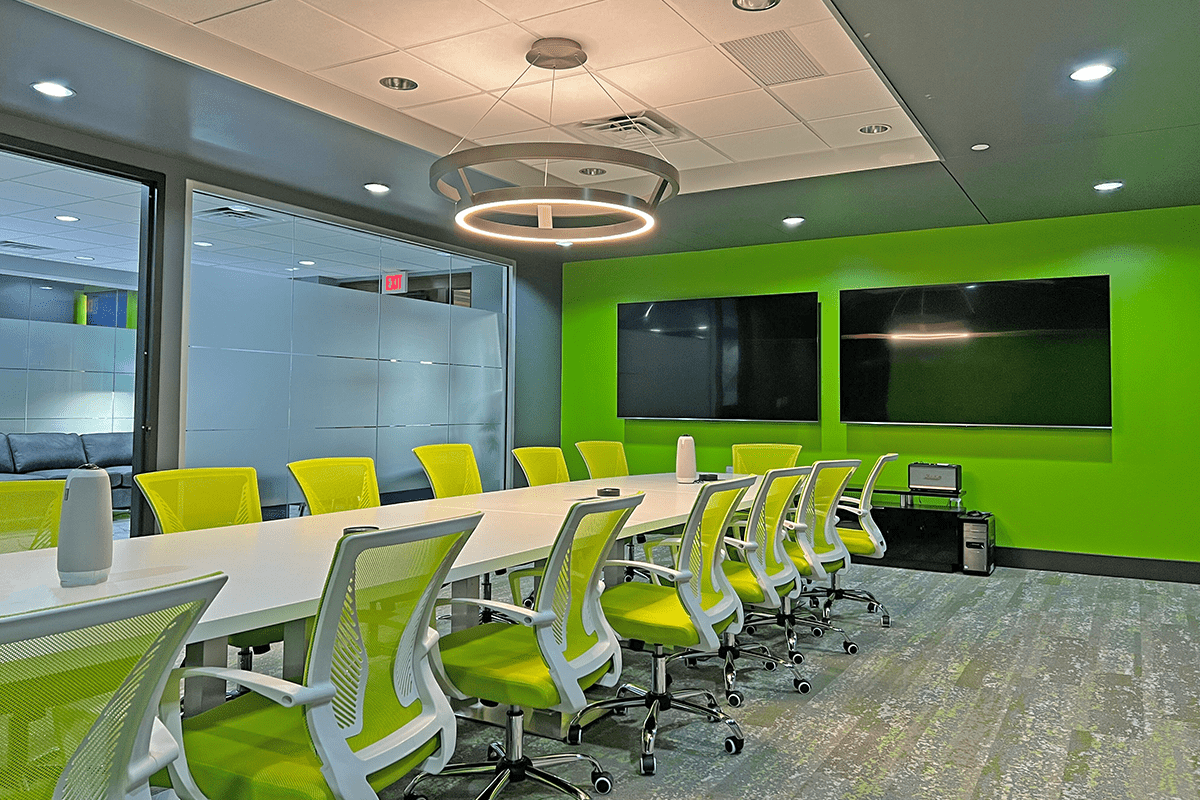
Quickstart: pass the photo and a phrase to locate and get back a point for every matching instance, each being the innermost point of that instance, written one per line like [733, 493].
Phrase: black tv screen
[753, 358]
[1031, 352]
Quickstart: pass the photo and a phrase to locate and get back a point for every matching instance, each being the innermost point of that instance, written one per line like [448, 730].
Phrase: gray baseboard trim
[1155, 569]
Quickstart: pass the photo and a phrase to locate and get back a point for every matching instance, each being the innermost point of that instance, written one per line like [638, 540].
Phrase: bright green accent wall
[80, 308]
[131, 308]
[1131, 492]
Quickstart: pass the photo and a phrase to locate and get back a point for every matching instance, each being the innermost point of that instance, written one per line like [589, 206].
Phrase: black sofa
[50, 456]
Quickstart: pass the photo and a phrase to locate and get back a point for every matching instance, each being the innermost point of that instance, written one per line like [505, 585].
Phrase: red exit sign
[396, 283]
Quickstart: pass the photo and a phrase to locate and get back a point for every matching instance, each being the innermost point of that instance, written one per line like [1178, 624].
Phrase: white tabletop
[277, 568]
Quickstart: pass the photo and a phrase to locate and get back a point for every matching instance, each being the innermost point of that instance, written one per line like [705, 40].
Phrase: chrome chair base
[788, 618]
[730, 651]
[833, 592]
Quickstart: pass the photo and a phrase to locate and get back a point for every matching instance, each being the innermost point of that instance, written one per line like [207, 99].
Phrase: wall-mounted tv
[747, 358]
[1022, 353]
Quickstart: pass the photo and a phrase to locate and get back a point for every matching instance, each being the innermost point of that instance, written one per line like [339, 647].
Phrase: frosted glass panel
[14, 343]
[488, 443]
[123, 395]
[13, 384]
[265, 450]
[122, 425]
[476, 337]
[126, 347]
[59, 345]
[476, 395]
[398, 468]
[77, 395]
[237, 390]
[414, 330]
[326, 443]
[332, 321]
[243, 310]
[12, 425]
[330, 392]
[412, 393]
[68, 425]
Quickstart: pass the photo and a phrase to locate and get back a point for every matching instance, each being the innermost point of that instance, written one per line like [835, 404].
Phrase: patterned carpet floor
[1025, 684]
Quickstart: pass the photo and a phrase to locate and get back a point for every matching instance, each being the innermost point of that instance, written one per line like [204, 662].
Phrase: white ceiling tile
[770, 143]
[836, 95]
[569, 171]
[720, 21]
[14, 166]
[576, 98]
[538, 134]
[85, 184]
[621, 31]
[688, 155]
[461, 115]
[490, 59]
[14, 206]
[412, 22]
[295, 34]
[362, 77]
[844, 131]
[526, 9]
[117, 212]
[36, 195]
[681, 78]
[732, 113]
[831, 46]
[196, 10]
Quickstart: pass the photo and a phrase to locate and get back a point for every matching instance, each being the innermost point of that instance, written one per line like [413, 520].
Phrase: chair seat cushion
[744, 582]
[124, 475]
[857, 542]
[801, 560]
[649, 613]
[108, 449]
[257, 637]
[255, 749]
[114, 480]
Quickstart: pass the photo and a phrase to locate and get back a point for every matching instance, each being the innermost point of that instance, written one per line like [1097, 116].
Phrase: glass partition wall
[309, 339]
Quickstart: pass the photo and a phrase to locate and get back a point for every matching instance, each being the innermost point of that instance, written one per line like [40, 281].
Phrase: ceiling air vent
[773, 58]
[239, 216]
[628, 130]
[24, 247]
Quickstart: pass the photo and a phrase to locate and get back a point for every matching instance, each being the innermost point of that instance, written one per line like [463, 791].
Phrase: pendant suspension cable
[626, 113]
[492, 106]
[549, 126]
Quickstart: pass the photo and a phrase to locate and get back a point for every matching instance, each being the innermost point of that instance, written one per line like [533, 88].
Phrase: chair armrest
[163, 750]
[795, 526]
[515, 613]
[855, 510]
[741, 544]
[675, 575]
[285, 693]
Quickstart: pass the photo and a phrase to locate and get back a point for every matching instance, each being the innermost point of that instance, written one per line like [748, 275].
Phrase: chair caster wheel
[620, 712]
[646, 765]
[670, 680]
[814, 602]
[750, 630]
[886, 621]
[629, 579]
[796, 658]
[494, 753]
[802, 686]
[735, 699]
[818, 632]
[770, 666]
[602, 782]
[734, 744]
[527, 602]
[690, 662]
[574, 735]
[872, 608]
[850, 647]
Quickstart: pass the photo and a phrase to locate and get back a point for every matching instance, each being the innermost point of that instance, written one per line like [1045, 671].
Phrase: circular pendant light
[554, 214]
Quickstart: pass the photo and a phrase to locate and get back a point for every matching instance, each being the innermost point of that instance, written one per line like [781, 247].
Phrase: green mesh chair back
[770, 563]
[207, 497]
[818, 503]
[79, 685]
[604, 459]
[869, 487]
[580, 641]
[337, 484]
[542, 465]
[29, 514]
[758, 459]
[451, 469]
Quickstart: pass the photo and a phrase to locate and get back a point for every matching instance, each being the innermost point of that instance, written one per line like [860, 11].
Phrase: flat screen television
[1031, 353]
[747, 358]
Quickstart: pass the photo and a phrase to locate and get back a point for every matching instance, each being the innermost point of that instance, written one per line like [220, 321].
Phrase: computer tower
[978, 542]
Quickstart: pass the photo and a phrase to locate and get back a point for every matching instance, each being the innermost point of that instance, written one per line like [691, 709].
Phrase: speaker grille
[773, 58]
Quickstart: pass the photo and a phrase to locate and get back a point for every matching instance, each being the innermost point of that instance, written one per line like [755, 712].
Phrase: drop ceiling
[746, 98]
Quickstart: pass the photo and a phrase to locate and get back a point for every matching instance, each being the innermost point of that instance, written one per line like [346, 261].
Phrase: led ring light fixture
[546, 213]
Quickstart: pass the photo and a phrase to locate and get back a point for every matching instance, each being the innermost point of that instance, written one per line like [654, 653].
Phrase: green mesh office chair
[336, 484]
[542, 465]
[604, 459]
[210, 497]
[562, 646]
[862, 537]
[758, 459]
[759, 571]
[79, 685]
[369, 709]
[451, 469]
[29, 514]
[690, 614]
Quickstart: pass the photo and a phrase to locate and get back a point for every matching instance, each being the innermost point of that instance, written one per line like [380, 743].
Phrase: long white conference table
[277, 568]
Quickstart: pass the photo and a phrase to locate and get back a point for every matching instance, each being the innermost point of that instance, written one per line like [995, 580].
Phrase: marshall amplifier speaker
[938, 477]
[978, 542]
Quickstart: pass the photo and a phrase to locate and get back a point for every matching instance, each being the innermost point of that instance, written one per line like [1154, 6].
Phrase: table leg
[201, 694]
[295, 649]
[464, 616]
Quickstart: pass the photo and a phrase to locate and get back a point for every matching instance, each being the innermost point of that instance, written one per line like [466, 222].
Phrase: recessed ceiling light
[66, 218]
[399, 84]
[563, 244]
[1108, 186]
[871, 130]
[377, 188]
[45, 287]
[1093, 72]
[52, 89]
[592, 171]
[755, 5]
[202, 244]
[979, 148]
[793, 221]
[239, 209]
[84, 258]
[293, 269]
[306, 263]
